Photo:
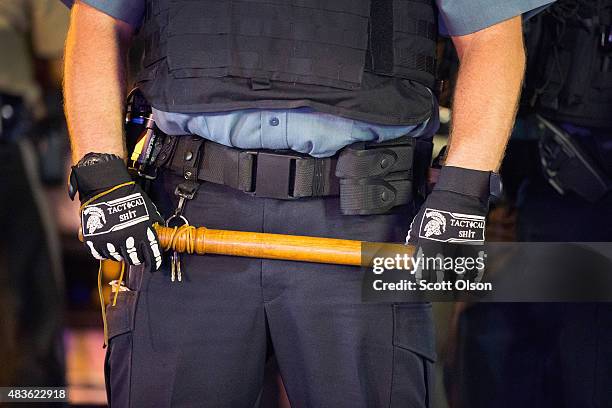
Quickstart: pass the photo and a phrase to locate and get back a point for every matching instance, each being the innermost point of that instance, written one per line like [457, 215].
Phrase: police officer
[543, 354]
[31, 281]
[308, 79]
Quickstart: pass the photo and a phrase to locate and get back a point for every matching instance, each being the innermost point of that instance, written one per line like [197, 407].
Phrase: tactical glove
[454, 213]
[117, 217]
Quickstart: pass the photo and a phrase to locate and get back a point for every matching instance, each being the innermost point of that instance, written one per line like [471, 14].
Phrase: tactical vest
[569, 66]
[364, 59]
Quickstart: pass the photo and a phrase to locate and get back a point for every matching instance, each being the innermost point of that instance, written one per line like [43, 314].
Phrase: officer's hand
[455, 212]
[117, 217]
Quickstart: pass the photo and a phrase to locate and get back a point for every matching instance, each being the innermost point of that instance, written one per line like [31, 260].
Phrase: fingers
[113, 252]
[154, 247]
[134, 252]
[93, 251]
[418, 270]
[130, 245]
[147, 256]
[149, 250]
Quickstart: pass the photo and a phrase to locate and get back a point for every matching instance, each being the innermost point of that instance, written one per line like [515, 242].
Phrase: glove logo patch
[436, 225]
[107, 216]
[445, 226]
[96, 219]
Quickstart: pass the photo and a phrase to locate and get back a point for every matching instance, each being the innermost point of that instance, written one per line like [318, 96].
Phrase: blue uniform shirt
[302, 130]
[305, 130]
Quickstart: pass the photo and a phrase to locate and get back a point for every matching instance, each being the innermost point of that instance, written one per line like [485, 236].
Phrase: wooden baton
[264, 245]
[202, 240]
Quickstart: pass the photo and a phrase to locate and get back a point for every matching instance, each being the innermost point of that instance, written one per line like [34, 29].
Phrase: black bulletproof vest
[569, 66]
[370, 60]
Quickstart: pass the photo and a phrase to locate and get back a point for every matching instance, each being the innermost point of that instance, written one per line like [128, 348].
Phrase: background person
[559, 354]
[31, 280]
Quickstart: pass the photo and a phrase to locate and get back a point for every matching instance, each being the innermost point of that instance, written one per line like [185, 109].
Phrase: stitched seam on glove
[102, 194]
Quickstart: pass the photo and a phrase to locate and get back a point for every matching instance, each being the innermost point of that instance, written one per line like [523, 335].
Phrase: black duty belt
[370, 178]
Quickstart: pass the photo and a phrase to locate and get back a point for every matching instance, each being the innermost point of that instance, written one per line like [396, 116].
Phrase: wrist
[92, 158]
[78, 154]
[463, 156]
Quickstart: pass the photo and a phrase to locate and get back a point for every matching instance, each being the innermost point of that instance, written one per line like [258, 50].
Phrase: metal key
[176, 268]
[184, 192]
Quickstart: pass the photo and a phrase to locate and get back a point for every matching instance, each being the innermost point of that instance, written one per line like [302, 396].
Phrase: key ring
[180, 217]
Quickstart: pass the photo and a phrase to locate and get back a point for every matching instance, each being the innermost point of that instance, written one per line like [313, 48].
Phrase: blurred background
[488, 355]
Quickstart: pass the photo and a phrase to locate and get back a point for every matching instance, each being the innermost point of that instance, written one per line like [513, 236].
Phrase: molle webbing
[327, 43]
[402, 39]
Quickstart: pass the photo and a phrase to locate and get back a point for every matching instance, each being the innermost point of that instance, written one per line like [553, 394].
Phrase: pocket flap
[413, 328]
[120, 318]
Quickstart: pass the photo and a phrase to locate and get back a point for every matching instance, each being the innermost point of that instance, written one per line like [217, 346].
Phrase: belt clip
[184, 191]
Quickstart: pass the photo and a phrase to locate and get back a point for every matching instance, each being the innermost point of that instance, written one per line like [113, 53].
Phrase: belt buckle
[274, 175]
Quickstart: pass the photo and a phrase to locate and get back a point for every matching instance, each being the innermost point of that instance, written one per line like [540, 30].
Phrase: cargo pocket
[413, 356]
[118, 362]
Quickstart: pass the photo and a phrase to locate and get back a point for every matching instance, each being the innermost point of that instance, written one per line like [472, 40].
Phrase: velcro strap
[373, 195]
[90, 180]
[378, 162]
[474, 183]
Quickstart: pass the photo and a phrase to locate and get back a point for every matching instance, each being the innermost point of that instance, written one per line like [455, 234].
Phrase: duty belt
[370, 178]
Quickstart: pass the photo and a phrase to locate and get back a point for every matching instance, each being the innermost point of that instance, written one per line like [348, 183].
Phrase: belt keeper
[191, 158]
[318, 185]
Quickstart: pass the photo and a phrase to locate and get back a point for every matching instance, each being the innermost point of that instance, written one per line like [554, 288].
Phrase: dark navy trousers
[204, 342]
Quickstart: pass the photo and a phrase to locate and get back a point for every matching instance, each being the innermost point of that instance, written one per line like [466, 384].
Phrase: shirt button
[274, 121]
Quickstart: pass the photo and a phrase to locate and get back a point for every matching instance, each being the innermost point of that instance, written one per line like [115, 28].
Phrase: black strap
[370, 178]
[189, 164]
[474, 183]
[262, 173]
[374, 196]
[391, 49]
